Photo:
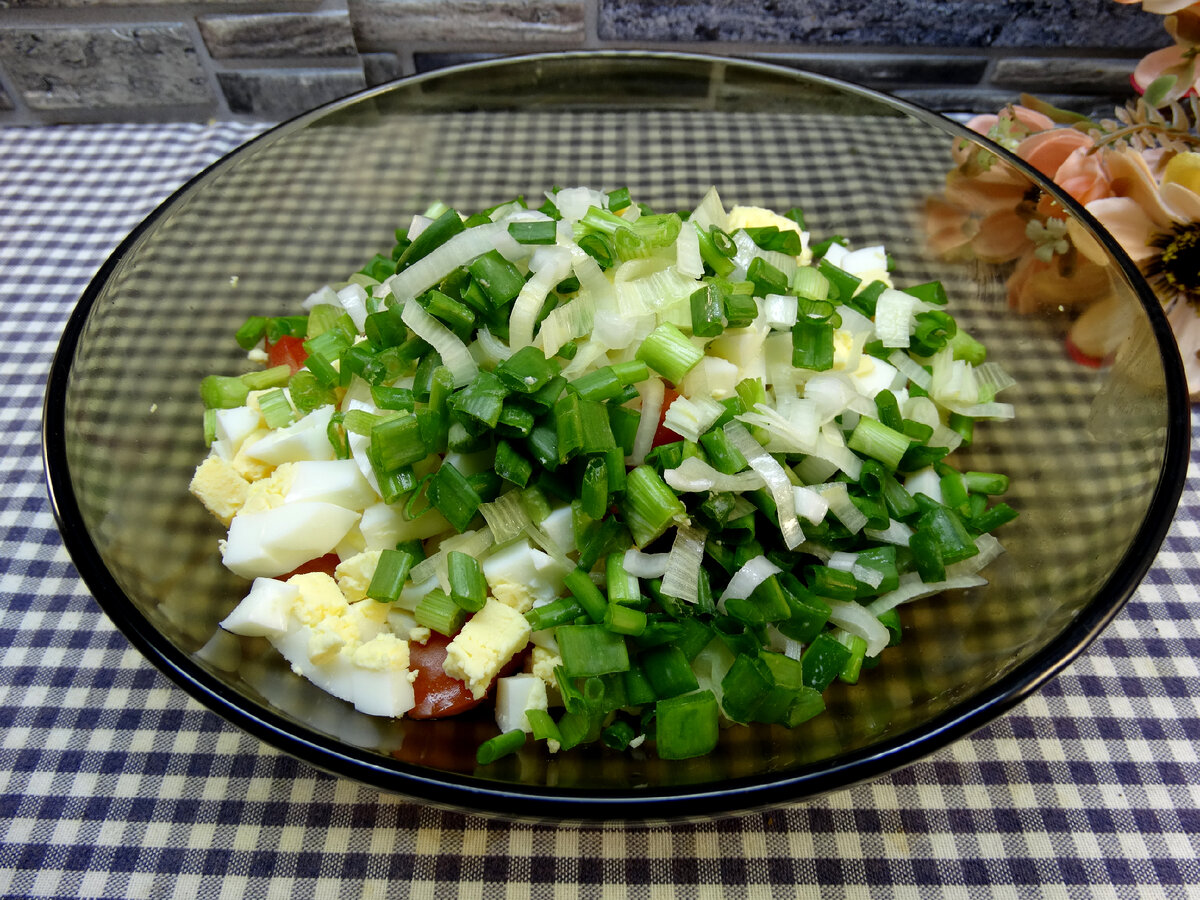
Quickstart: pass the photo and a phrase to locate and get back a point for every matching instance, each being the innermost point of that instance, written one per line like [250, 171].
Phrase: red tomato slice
[665, 435]
[326, 564]
[437, 694]
[287, 351]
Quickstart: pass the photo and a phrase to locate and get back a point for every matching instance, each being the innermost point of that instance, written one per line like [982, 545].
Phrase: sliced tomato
[287, 351]
[438, 695]
[326, 564]
[664, 435]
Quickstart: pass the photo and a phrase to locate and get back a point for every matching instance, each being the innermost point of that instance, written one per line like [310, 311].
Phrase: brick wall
[138, 60]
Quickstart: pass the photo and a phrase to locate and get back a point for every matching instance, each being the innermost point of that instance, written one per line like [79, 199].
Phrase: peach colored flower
[1160, 7]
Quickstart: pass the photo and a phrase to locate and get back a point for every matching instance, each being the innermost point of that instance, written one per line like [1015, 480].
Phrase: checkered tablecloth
[113, 783]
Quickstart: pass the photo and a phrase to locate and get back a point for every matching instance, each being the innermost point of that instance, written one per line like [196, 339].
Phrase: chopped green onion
[452, 495]
[591, 650]
[500, 746]
[561, 611]
[251, 332]
[390, 574]
[544, 231]
[276, 410]
[872, 438]
[687, 725]
[649, 505]
[667, 351]
[223, 391]
[468, 588]
[812, 345]
[707, 311]
[668, 671]
[438, 611]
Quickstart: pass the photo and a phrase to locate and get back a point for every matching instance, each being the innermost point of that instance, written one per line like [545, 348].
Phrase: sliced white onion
[652, 391]
[894, 317]
[809, 504]
[454, 353]
[695, 475]
[506, 517]
[910, 369]
[776, 478]
[913, 588]
[691, 418]
[645, 565]
[573, 203]
[993, 376]
[322, 295]
[991, 410]
[842, 507]
[779, 311]
[688, 260]
[710, 212]
[681, 578]
[460, 250]
[781, 643]
[897, 533]
[848, 562]
[744, 581]
[353, 299]
[859, 620]
[795, 433]
[549, 265]
[573, 319]
[492, 348]
[989, 549]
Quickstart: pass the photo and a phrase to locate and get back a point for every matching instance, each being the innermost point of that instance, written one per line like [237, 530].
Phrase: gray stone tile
[276, 94]
[912, 23]
[6, 102]
[884, 69]
[379, 24]
[110, 67]
[380, 68]
[275, 35]
[1085, 76]
[192, 5]
[989, 100]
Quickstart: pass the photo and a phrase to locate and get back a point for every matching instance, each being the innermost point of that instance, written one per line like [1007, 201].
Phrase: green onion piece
[336, 434]
[918, 431]
[482, 400]
[618, 735]
[394, 398]
[872, 438]
[452, 495]
[527, 370]
[578, 727]
[360, 422]
[932, 330]
[812, 345]
[599, 384]
[842, 283]
[687, 726]
[323, 351]
[210, 427]
[619, 199]
[809, 613]
[771, 237]
[438, 611]
[543, 231]
[276, 410]
[739, 305]
[500, 746]
[649, 505]
[542, 725]
[721, 264]
[823, 660]
[668, 671]
[853, 665]
[951, 535]
[986, 482]
[543, 446]
[396, 441]
[436, 233]
[599, 248]
[809, 283]
[308, 393]
[952, 484]
[486, 484]
[457, 316]
[622, 587]
[624, 619]
[251, 332]
[766, 278]
[744, 687]
[579, 583]
[390, 574]
[385, 328]
[286, 326]
[594, 488]
[722, 454]
[708, 311]
[1000, 514]
[927, 557]
[561, 611]
[929, 292]
[354, 361]
[832, 583]
[223, 391]
[888, 410]
[326, 316]
[515, 421]
[967, 348]
[667, 351]
[591, 650]
[500, 280]
[511, 465]
[468, 588]
[631, 372]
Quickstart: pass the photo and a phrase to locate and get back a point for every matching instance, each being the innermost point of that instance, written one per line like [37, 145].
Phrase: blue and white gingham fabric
[113, 783]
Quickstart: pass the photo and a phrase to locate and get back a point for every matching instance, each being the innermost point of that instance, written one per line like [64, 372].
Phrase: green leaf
[1159, 90]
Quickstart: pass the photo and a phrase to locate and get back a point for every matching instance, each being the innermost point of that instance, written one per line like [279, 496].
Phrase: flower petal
[1128, 223]
[1186, 325]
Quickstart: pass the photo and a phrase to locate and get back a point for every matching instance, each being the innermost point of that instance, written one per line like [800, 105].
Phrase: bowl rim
[473, 794]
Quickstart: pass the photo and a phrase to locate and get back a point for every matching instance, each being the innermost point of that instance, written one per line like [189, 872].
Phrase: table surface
[114, 783]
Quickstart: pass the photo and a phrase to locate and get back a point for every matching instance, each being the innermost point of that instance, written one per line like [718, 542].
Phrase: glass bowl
[1097, 455]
